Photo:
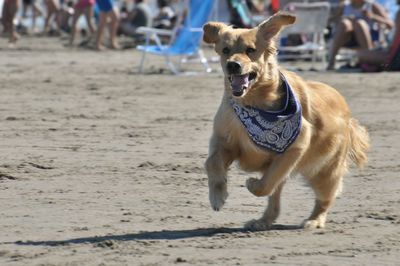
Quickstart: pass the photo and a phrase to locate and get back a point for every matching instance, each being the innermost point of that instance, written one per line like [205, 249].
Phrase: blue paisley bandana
[272, 130]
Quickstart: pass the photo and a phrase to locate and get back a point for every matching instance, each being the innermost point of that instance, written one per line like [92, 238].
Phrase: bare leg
[271, 213]
[57, 14]
[217, 165]
[47, 22]
[37, 10]
[362, 33]
[113, 28]
[52, 10]
[48, 15]
[13, 8]
[4, 18]
[34, 15]
[342, 36]
[89, 21]
[100, 29]
[77, 14]
[7, 17]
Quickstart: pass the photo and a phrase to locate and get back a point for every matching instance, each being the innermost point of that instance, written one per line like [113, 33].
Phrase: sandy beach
[102, 166]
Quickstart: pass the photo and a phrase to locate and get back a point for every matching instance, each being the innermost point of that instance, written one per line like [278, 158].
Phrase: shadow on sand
[152, 235]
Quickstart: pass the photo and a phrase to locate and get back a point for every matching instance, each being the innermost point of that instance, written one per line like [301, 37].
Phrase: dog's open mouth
[240, 83]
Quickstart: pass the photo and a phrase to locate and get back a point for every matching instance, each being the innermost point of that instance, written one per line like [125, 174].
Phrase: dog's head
[246, 54]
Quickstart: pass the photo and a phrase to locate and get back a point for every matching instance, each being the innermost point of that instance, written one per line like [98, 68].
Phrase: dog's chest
[236, 138]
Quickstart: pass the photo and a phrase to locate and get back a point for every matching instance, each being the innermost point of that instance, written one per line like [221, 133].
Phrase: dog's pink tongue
[239, 83]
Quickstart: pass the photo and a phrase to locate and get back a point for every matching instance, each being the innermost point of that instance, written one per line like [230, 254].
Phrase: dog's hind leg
[327, 185]
[217, 166]
[271, 213]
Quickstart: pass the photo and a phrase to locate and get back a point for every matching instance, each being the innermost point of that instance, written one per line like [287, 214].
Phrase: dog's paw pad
[257, 225]
[313, 224]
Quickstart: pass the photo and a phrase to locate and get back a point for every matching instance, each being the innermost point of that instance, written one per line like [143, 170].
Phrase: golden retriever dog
[274, 122]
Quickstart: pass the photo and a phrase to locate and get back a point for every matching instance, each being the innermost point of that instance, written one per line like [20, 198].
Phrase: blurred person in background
[107, 11]
[138, 16]
[86, 8]
[356, 27]
[383, 59]
[166, 17]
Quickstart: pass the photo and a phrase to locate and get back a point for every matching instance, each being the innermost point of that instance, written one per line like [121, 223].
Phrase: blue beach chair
[185, 39]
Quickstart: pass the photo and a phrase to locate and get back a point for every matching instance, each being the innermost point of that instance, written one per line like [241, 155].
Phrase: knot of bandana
[272, 130]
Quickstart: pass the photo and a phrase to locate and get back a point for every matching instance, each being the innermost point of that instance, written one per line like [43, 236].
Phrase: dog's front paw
[257, 225]
[218, 195]
[253, 185]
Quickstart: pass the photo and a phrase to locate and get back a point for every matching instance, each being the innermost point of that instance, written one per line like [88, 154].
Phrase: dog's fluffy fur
[329, 139]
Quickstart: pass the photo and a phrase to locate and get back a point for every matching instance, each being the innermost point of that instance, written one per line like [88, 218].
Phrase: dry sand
[102, 166]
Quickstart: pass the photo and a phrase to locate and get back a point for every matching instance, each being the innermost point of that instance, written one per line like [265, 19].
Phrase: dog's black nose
[233, 67]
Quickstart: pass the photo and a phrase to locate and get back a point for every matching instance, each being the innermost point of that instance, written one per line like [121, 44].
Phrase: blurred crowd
[371, 28]
[65, 17]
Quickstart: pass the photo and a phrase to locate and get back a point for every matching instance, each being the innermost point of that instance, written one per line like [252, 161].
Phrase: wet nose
[234, 67]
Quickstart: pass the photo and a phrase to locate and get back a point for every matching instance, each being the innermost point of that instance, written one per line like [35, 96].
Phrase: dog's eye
[226, 50]
[250, 50]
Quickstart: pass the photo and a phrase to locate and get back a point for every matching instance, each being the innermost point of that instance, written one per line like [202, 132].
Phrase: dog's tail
[359, 143]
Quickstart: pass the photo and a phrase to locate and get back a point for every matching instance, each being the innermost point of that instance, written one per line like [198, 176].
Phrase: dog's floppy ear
[272, 26]
[211, 31]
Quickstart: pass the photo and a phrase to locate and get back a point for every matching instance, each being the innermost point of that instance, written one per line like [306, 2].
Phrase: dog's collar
[272, 130]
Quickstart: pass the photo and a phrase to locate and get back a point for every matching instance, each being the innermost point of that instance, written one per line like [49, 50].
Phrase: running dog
[274, 122]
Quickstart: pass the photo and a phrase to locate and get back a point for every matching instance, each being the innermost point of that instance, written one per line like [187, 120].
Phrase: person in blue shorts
[107, 10]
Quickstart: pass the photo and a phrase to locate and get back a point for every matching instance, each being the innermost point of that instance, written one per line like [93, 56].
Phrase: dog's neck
[267, 93]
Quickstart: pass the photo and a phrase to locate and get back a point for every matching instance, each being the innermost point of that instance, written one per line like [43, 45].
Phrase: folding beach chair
[185, 40]
[311, 21]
